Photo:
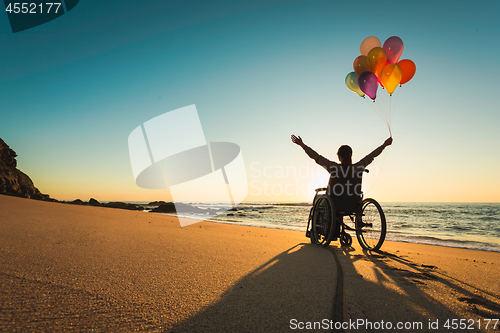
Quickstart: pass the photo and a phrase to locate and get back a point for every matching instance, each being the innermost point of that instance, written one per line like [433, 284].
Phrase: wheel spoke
[371, 228]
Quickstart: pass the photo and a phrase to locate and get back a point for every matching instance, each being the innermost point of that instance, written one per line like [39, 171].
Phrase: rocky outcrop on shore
[117, 204]
[154, 207]
[165, 207]
[157, 203]
[123, 205]
[12, 180]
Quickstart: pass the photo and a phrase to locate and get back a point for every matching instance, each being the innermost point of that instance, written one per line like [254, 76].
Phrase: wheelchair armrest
[320, 189]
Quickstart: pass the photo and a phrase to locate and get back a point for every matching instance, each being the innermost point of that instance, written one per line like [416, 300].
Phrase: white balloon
[369, 43]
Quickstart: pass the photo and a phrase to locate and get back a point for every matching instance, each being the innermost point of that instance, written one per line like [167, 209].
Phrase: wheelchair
[327, 222]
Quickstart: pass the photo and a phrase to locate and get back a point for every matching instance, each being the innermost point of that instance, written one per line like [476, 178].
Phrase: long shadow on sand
[383, 286]
[294, 284]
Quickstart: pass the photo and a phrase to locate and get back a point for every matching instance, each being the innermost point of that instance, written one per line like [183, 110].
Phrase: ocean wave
[465, 244]
[489, 218]
[457, 227]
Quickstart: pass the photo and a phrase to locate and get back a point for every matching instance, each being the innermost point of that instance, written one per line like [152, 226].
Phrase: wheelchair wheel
[371, 227]
[323, 220]
[345, 239]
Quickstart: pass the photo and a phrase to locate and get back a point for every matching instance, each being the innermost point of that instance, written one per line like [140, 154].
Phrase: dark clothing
[344, 185]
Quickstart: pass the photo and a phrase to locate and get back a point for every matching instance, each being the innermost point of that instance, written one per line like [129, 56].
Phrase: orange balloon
[376, 60]
[408, 68]
[361, 65]
[390, 77]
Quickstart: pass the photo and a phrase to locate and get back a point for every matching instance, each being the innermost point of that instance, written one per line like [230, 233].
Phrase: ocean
[462, 225]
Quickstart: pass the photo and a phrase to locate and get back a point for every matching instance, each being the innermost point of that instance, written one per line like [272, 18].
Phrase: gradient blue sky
[72, 90]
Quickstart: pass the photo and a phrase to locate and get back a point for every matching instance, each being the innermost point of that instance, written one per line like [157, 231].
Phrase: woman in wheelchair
[344, 197]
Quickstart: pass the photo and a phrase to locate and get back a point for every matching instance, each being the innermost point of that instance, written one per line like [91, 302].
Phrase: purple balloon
[368, 84]
[393, 48]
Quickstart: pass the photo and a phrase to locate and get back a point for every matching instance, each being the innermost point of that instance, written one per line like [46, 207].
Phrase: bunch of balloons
[379, 65]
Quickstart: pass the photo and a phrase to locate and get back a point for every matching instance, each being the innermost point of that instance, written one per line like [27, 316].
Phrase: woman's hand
[297, 140]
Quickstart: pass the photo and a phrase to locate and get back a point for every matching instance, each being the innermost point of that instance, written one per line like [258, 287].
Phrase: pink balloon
[393, 47]
[368, 84]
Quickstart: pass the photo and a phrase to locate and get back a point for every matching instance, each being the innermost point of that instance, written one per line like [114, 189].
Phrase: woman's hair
[345, 152]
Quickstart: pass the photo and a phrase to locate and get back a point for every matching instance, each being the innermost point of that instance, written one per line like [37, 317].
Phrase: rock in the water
[94, 202]
[77, 202]
[123, 205]
[171, 208]
[156, 203]
[13, 181]
[167, 207]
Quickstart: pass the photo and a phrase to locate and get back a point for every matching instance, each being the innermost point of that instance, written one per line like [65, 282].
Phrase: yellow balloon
[390, 77]
[376, 60]
[351, 81]
[369, 43]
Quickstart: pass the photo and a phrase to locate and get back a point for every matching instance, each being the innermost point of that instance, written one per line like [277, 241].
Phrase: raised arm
[369, 158]
[311, 153]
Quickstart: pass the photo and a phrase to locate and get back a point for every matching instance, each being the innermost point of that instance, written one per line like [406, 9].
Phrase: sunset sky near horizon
[73, 89]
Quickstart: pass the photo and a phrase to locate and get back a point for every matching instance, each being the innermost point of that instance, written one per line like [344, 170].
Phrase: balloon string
[390, 109]
[382, 109]
[379, 109]
[376, 108]
[396, 102]
[386, 111]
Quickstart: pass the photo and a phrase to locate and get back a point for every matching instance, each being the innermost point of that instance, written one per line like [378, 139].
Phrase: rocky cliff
[13, 181]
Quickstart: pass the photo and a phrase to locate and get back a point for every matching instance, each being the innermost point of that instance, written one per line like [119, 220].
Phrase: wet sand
[65, 267]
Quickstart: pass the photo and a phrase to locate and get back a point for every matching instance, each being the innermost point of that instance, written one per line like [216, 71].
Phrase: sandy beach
[82, 268]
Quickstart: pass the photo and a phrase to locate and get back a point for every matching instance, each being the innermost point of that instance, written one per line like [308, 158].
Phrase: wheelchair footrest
[346, 227]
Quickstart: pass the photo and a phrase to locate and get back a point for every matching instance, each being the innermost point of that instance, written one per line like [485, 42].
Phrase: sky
[73, 89]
